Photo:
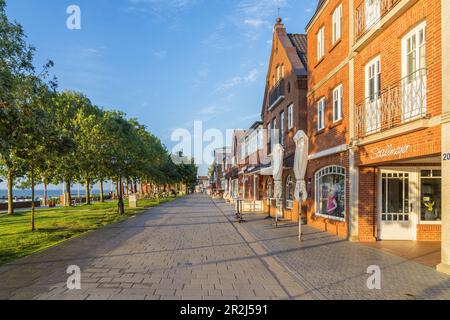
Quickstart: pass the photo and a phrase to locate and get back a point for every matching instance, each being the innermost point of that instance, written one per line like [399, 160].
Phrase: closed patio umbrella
[300, 166]
[277, 166]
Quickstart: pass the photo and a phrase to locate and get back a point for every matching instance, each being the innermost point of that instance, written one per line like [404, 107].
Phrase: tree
[16, 64]
[66, 109]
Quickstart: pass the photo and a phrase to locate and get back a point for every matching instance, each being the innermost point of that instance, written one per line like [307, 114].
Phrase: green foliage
[57, 225]
[52, 137]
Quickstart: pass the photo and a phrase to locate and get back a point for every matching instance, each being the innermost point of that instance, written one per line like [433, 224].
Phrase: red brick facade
[372, 132]
[396, 143]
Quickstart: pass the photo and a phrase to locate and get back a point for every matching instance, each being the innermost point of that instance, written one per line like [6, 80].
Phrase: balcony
[394, 106]
[276, 95]
[369, 13]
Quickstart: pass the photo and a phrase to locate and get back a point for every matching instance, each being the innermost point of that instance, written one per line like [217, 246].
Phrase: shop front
[409, 203]
[400, 188]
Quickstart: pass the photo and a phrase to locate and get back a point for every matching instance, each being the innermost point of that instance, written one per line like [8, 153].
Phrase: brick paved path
[188, 249]
[334, 268]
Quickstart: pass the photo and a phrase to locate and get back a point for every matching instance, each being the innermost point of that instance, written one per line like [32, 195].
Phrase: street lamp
[120, 204]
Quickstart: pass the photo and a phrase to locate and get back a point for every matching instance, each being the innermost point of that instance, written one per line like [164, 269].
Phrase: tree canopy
[50, 136]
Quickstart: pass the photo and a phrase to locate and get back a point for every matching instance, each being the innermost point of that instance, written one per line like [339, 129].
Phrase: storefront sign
[389, 151]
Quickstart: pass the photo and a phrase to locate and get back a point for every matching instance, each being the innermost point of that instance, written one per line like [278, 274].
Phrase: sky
[166, 62]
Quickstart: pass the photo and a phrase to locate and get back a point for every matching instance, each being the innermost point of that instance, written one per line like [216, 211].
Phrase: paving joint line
[281, 264]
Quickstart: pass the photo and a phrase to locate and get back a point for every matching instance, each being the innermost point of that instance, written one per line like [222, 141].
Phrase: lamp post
[120, 204]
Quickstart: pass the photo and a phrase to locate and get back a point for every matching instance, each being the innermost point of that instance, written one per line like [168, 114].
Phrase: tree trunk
[141, 189]
[45, 193]
[68, 195]
[116, 196]
[102, 199]
[33, 227]
[88, 192]
[10, 193]
[135, 185]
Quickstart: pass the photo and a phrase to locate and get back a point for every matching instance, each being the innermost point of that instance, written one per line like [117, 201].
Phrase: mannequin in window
[333, 200]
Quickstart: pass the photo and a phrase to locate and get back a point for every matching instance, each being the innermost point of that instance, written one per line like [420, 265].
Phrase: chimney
[279, 24]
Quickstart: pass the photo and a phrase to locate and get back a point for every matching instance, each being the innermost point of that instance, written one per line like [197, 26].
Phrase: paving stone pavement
[186, 249]
[193, 249]
[333, 268]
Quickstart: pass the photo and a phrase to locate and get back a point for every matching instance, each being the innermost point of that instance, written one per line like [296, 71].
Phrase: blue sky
[166, 62]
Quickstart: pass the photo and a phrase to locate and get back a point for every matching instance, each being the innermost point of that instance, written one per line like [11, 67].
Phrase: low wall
[19, 205]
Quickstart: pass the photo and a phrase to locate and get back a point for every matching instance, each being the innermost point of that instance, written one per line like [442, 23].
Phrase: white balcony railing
[394, 106]
[369, 13]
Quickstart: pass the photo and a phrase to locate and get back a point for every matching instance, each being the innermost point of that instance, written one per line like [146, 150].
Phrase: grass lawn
[57, 225]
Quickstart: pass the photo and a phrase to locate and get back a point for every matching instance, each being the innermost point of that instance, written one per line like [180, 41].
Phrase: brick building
[284, 113]
[378, 120]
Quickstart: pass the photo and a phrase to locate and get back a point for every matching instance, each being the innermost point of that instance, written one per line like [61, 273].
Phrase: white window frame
[373, 108]
[321, 114]
[289, 187]
[330, 170]
[337, 24]
[415, 80]
[282, 119]
[275, 133]
[290, 117]
[321, 43]
[338, 95]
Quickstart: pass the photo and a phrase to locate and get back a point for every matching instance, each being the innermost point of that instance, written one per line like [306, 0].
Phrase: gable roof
[295, 46]
[319, 6]
[300, 42]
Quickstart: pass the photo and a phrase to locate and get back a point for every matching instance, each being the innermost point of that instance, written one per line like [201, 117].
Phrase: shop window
[289, 193]
[431, 195]
[330, 193]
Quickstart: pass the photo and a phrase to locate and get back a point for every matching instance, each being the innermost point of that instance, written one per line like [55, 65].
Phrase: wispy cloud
[256, 23]
[212, 110]
[201, 77]
[249, 19]
[258, 15]
[159, 8]
[250, 77]
[250, 117]
[93, 52]
[159, 54]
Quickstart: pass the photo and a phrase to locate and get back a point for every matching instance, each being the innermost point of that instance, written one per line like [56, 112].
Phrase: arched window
[289, 193]
[330, 193]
